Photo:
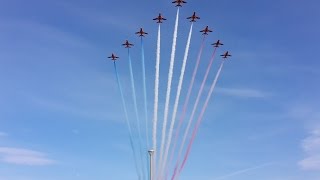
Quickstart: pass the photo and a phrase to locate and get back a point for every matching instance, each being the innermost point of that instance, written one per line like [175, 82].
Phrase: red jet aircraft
[206, 30]
[193, 17]
[179, 2]
[159, 18]
[141, 32]
[217, 44]
[127, 44]
[225, 55]
[113, 57]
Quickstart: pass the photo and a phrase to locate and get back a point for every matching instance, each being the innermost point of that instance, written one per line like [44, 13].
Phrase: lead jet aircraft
[113, 57]
[159, 18]
[206, 30]
[217, 44]
[226, 55]
[193, 17]
[179, 2]
[141, 32]
[127, 44]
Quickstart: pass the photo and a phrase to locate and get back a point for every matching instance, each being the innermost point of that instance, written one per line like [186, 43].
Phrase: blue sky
[60, 110]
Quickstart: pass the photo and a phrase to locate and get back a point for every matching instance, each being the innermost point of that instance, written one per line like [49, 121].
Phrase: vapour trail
[176, 103]
[134, 96]
[185, 105]
[243, 171]
[127, 122]
[156, 98]
[195, 130]
[166, 107]
[144, 91]
[196, 104]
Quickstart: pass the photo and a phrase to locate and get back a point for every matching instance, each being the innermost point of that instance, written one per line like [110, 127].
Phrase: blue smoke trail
[144, 91]
[134, 96]
[127, 121]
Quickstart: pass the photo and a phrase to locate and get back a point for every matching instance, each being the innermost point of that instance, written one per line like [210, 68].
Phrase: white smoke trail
[177, 99]
[144, 92]
[166, 108]
[156, 98]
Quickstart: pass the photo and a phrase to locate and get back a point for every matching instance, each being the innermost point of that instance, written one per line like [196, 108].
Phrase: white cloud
[310, 116]
[310, 163]
[243, 92]
[311, 146]
[21, 156]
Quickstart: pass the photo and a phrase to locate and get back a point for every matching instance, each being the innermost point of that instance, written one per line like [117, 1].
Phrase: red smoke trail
[185, 105]
[195, 130]
[197, 102]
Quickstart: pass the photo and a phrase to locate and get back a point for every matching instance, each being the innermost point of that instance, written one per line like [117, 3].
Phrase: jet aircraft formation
[162, 168]
[160, 19]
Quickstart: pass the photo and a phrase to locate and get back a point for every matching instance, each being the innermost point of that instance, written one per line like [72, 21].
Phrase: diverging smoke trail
[135, 155]
[145, 92]
[156, 98]
[176, 103]
[134, 96]
[195, 130]
[166, 107]
[196, 104]
[185, 105]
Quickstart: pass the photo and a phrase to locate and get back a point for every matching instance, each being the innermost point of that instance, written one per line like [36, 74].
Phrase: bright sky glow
[61, 115]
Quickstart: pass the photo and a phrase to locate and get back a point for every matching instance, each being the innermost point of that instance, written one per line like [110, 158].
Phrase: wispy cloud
[243, 92]
[21, 156]
[42, 33]
[101, 18]
[88, 103]
[311, 146]
[3, 134]
[77, 108]
[243, 171]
